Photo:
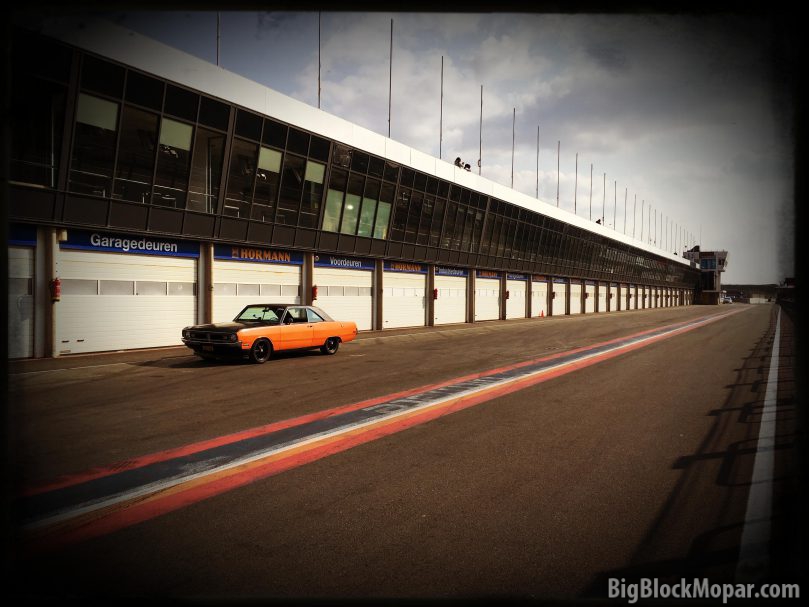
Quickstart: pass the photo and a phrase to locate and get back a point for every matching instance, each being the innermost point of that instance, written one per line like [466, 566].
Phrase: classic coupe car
[261, 329]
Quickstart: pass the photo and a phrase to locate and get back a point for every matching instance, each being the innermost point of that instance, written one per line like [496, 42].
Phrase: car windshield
[266, 314]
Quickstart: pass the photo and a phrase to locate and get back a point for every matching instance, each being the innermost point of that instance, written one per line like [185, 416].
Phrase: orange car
[261, 329]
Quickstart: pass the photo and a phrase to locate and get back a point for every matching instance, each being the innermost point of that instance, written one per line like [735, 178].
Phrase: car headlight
[233, 337]
[186, 333]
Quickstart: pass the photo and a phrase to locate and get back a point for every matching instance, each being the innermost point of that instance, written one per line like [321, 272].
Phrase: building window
[206, 171]
[37, 120]
[312, 194]
[174, 154]
[136, 155]
[93, 145]
[240, 180]
[292, 179]
[268, 178]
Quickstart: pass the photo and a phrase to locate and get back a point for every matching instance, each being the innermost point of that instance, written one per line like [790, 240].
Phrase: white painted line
[754, 560]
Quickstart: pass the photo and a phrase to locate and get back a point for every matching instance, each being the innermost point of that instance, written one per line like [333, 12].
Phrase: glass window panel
[420, 182]
[312, 194]
[438, 222]
[102, 77]
[270, 290]
[319, 148]
[240, 179]
[352, 291]
[376, 167]
[79, 286]
[341, 155]
[443, 188]
[387, 192]
[290, 290]
[359, 162]
[334, 291]
[314, 171]
[427, 207]
[136, 155]
[117, 287]
[291, 190]
[268, 178]
[150, 287]
[334, 205]
[391, 172]
[214, 113]
[382, 218]
[20, 286]
[400, 215]
[298, 142]
[313, 316]
[269, 160]
[176, 134]
[181, 103]
[100, 113]
[173, 164]
[93, 146]
[38, 110]
[206, 171]
[248, 125]
[144, 90]
[350, 214]
[182, 288]
[224, 288]
[249, 289]
[275, 134]
[34, 55]
[367, 217]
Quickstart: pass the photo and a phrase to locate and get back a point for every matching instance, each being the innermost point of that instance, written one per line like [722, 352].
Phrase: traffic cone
[541, 313]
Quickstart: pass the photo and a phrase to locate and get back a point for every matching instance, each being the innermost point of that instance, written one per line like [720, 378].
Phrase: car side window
[314, 316]
[297, 314]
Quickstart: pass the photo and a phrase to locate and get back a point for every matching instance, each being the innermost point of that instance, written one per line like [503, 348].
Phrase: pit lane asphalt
[534, 494]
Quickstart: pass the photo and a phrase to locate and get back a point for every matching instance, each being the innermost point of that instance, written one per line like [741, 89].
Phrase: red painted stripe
[141, 511]
[160, 456]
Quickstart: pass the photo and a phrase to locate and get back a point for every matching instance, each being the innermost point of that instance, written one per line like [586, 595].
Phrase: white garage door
[115, 301]
[575, 298]
[644, 300]
[590, 297]
[20, 302]
[404, 303]
[615, 298]
[559, 298]
[487, 298]
[515, 304]
[450, 307]
[539, 298]
[346, 294]
[237, 284]
[603, 298]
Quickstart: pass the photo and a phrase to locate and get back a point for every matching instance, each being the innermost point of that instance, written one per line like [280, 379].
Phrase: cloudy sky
[688, 114]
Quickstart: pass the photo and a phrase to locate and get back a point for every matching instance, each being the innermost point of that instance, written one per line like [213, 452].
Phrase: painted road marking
[107, 499]
[753, 563]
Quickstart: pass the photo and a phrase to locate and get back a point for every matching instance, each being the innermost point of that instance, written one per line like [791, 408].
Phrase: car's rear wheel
[331, 346]
[260, 351]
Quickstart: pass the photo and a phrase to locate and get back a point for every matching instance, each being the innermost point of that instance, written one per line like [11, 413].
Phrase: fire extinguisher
[56, 289]
[508, 294]
[314, 292]
[435, 293]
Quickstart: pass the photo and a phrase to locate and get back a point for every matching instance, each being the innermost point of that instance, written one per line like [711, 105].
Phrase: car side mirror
[289, 320]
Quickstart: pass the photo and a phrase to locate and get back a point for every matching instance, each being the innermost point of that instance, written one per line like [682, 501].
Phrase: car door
[296, 330]
[321, 329]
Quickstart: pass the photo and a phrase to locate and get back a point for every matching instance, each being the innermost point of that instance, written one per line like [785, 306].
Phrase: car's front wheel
[331, 346]
[260, 351]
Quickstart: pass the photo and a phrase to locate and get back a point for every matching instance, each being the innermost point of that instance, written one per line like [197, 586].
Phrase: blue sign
[240, 253]
[439, 271]
[403, 266]
[560, 281]
[515, 277]
[22, 235]
[346, 263]
[137, 245]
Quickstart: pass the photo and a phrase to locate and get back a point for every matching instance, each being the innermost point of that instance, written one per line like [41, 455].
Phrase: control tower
[711, 264]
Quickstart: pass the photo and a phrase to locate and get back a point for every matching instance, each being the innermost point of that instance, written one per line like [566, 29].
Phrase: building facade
[150, 190]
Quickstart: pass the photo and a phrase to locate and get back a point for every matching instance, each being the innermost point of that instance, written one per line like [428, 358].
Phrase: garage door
[248, 275]
[644, 297]
[539, 297]
[404, 293]
[575, 297]
[450, 307]
[516, 287]
[615, 298]
[559, 297]
[487, 295]
[20, 302]
[589, 297]
[345, 289]
[122, 292]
